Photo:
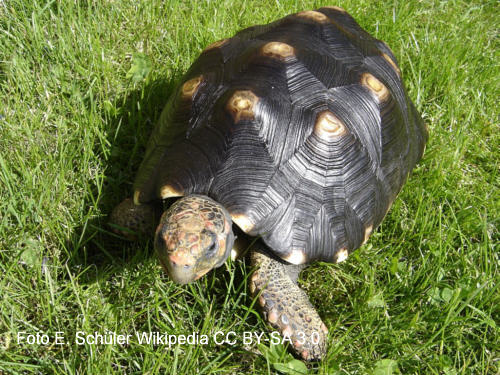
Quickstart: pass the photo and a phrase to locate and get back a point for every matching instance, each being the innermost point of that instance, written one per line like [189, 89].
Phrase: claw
[272, 317]
[287, 331]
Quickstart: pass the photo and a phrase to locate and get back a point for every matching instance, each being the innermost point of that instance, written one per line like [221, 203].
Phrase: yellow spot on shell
[278, 50]
[368, 232]
[190, 87]
[392, 62]
[313, 15]
[296, 257]
[374, 85]
[241, 105]
[341, 255]
[328, 126]
[243, 222]
[216, 44]
[169, 191]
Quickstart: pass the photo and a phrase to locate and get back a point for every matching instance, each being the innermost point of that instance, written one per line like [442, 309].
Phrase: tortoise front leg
[133, 221]
[285, 306]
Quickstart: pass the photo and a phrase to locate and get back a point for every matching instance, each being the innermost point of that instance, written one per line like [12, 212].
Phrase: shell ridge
[364, 123]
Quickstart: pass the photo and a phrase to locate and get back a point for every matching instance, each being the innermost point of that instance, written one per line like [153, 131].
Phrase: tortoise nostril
[185, 266]
[177, 261]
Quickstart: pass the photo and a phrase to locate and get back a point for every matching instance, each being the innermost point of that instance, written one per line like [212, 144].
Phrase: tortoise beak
[181, 275]
[180, 272]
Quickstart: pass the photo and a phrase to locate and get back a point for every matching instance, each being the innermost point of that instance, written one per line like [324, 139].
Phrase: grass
[420, 298]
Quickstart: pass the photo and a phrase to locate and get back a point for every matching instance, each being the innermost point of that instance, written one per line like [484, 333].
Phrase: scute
[313, 16]
[190, 87]
[277, 50]
[328, 127]
[301, 128]
[241, 105]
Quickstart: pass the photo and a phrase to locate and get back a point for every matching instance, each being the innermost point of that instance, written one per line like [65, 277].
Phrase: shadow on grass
[129, 123]
[94, 248]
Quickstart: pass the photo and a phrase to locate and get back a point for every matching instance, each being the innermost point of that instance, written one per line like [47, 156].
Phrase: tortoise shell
[301, 128]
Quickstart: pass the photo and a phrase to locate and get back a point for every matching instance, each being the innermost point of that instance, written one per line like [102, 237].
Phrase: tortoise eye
[211, 240]
[213, 247]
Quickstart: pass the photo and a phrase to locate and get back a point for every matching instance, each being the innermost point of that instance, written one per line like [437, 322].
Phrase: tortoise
[299, 132]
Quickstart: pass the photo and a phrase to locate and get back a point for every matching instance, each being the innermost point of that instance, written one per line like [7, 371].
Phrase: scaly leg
[286, 307]
[133, 221]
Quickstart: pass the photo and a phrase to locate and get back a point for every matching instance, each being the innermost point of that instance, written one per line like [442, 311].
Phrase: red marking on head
[191, 238]
[195, 248]
[180, 215]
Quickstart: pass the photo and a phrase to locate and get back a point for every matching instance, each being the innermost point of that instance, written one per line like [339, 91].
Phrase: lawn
[81, 86]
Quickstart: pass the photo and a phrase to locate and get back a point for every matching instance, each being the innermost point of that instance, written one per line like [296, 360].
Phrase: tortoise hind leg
[133, 221]
[286, 307]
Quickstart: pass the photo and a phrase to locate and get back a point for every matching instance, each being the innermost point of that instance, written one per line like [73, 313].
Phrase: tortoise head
[194, 236]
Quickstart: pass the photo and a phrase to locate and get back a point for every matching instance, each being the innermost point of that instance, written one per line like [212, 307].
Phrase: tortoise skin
[190, 227]
[303, 127]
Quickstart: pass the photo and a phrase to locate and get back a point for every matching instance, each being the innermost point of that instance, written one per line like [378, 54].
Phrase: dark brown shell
[301, 128]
